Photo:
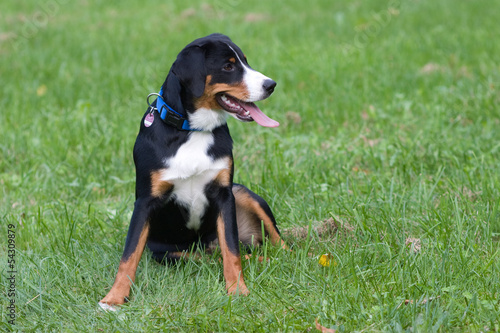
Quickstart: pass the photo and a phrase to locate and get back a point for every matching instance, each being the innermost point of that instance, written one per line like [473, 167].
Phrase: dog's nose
[269, 86]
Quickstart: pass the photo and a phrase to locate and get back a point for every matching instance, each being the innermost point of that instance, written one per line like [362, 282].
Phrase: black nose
[269, 86]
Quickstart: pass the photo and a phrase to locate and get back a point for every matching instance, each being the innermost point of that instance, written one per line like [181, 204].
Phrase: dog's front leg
[227, 231]
[134, 246]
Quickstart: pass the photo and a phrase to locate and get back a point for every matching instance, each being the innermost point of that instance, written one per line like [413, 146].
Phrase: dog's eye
[229, 67]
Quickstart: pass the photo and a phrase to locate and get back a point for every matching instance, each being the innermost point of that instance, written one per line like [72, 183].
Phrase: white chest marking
[190, 170]
[206, 119]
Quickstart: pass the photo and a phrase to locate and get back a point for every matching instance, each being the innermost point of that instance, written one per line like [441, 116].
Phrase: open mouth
[244, 111]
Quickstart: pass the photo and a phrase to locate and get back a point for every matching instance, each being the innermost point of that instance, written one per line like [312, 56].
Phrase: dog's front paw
[238, 289]
[106, 307]
[112, 301]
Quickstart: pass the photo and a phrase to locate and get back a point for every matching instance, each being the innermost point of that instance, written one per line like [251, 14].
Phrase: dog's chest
[190, 170]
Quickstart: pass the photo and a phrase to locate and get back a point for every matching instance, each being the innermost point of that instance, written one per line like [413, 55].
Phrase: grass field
[390, 118]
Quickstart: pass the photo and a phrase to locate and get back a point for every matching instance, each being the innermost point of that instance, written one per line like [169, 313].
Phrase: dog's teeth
[230, 103]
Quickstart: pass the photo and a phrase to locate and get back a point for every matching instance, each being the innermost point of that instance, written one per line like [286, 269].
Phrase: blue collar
[170, 116]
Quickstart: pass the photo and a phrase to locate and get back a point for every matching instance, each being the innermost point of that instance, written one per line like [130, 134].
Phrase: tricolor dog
[185, 195]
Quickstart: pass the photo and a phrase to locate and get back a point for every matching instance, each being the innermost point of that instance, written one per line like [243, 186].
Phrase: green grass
[390, 120]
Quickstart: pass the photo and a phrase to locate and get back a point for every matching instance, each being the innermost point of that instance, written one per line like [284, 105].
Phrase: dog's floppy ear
[172, 92]
[190, 69]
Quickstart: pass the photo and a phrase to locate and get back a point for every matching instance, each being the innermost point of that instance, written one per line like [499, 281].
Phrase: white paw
[107, 307]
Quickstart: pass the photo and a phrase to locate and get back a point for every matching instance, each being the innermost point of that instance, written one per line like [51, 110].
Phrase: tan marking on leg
[223, 178]
[249, 228]
[126, 273]
[233, 273]
[158, 186]
[246, 201]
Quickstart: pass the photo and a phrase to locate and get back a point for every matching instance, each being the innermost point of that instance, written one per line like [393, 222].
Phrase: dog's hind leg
[251, 210]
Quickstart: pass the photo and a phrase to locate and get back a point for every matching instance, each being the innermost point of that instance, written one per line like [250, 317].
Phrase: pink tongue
[259, 116]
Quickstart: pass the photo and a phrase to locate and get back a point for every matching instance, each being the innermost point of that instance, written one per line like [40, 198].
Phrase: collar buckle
[173, 119]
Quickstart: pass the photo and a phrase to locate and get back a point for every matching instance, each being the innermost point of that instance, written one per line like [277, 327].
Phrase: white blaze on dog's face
[231, 87]
[256, 82]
